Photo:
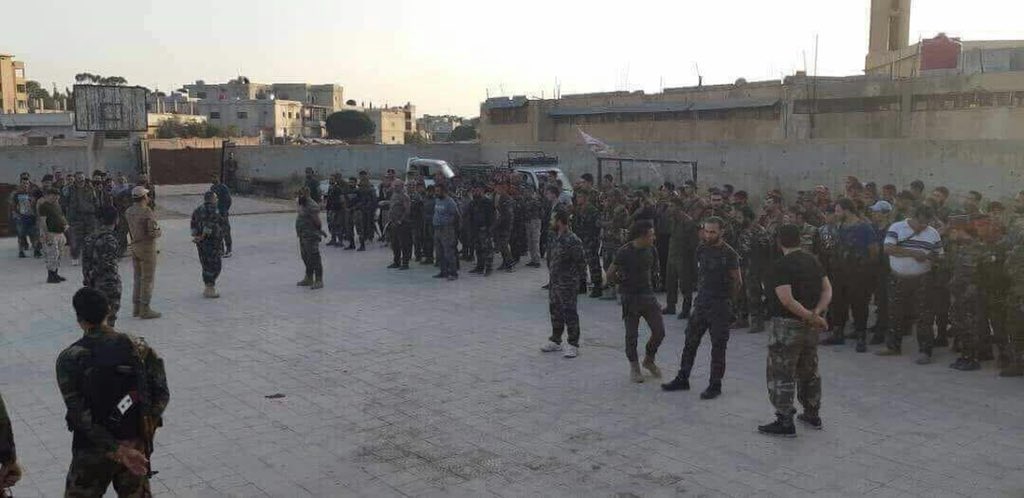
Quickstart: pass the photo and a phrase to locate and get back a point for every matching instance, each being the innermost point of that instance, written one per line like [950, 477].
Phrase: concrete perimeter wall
[39, 161]
[279, 162]
[994, 167]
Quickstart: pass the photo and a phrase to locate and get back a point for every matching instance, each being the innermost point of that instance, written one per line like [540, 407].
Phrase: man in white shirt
[912, 246]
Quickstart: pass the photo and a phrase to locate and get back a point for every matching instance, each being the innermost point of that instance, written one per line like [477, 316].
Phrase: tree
[35, 91]
[415, 139]
[96, 79]
[350, 102]
[347, 125]
[176, 128]
[462, 133]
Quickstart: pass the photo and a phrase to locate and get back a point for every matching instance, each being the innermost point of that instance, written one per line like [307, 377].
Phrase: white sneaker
[551, 347]
[570, 351]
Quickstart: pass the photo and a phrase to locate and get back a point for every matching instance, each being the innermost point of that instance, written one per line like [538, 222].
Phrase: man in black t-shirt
[718, 284]
[631, 270]
[800, 295]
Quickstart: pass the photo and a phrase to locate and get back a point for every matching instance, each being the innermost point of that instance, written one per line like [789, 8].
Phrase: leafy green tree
[462, 133]
[347, 125]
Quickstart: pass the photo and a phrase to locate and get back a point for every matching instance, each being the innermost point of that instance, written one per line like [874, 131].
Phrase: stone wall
[279, 162]
[39, 161]
[994, 167]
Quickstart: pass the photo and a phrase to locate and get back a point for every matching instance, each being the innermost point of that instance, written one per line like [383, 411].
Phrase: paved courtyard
[390, 383]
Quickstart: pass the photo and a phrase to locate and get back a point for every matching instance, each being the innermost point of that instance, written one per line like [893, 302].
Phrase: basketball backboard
[110, 108]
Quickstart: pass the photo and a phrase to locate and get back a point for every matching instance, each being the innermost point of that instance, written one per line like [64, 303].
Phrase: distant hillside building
[264, 118]
[390, 125]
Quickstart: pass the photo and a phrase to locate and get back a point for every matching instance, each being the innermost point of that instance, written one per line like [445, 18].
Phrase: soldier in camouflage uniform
[754, 248]
[567, 265]
[366, 208]
[107, 448]
[1014, 265]
[967, 304]
[207, 233]
[504, 220]
[10, 471]
[614, 223]
[681, 267]
[792, 343]
[83, 201]
[310, 232]
[481, 221]
[99, 262]
[994, 284]
[586, 224]
[334, 205]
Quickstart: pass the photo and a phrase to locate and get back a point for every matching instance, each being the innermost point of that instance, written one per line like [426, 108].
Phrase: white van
[427, 168]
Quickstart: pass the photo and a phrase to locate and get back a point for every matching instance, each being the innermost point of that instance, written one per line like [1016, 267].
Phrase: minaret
[890, 26]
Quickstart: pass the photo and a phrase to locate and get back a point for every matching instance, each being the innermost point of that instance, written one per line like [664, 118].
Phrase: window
[21, 104]
[201, 95]
[214, 115]
[243, 115]
[19, 72]
[22, 89]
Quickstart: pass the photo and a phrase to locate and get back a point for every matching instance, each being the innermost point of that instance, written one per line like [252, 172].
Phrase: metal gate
[183, 166]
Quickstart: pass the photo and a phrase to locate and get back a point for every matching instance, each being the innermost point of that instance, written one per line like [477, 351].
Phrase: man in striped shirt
[912, 247]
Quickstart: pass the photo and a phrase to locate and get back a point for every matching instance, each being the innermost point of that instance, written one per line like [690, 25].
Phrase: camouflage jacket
[505, 213]
[307, 221]
[208, 223]
[586, 223]
[684, 234]
[71, 376]
[966, 258]
[1014, 263]
[83, 201]
[567, 261]
[614, 223]
[99, 256]
[7, 450]
[754, 246]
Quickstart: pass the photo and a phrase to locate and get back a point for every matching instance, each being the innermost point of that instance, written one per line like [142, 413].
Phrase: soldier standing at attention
[912, 246]
[614, 223]
[366, 205]
[567, 264]
[52, 227]
[10, 471]
[115, 391]
[312, 183]
[587, 221]
[349, 211]
[429, 200]
[82, 202]
[445, 221]
[504, 219]
[99, 262]
[310, 232]
[967, 307]
[206, 233]
[224, 209]
[533, 212]
[481, 219]
[718, 282]
[679, 269]
[635, 264]
[399, 206]
[798, 299]
[754, 247]
[332, 204]
[144, 231]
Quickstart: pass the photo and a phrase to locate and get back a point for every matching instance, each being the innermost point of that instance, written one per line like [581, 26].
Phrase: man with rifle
[115, 390]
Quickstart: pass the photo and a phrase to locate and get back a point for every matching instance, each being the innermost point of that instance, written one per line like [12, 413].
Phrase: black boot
[812, 420]
[362, 247]
[670, 309]
[684, 313]
[62, 279]
[21, 254]
[679, 383]
[597, 292]
[394, 265]
[836, 338]
[713, 391]
[478, 269]
[51, 278]
[781, 427]
[862, 341]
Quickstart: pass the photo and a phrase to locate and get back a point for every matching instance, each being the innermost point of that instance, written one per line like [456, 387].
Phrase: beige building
[390, 125]
[13, 92]
[264, 118]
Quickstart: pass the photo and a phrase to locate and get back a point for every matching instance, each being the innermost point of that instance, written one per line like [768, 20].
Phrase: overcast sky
[445, 56]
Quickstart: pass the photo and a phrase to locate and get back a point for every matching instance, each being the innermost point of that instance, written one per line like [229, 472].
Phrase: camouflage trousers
[967, 316]
[753, 298]
[210, 260]
[793, 367]
[53, 248]
[592, 254]
[79, 229]
[1015, 329]
[226, 236]
[906, 309]
[484, 246]
[501, 244]
[110, 286]
[564, 314]
[309, 250]
[92, 472]
[533, 234]
[445, 240]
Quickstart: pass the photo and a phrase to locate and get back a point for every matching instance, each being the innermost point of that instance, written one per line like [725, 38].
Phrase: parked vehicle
[428, 168]
[538, 169]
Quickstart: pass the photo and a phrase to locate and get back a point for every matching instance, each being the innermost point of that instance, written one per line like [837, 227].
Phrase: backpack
[113, 385]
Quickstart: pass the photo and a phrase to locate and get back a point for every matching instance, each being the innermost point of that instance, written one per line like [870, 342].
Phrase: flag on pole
[595, 144]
